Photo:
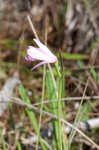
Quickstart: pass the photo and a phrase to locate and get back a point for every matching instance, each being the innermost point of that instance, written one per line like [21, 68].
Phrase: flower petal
[41, 63]
[29, 59]
[35, 53]
[45, 50]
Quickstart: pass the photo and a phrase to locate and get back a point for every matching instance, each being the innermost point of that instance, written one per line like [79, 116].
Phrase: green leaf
[74, 56]
[95, 75]
[51, 94]
[2, 140]
[29, 112]
[85, 109]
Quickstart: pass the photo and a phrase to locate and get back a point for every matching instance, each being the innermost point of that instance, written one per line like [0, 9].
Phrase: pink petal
[44, 49]
[35, 53]
[41, 63]
[29, 59]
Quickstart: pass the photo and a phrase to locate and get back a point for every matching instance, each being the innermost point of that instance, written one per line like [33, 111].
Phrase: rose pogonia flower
[41, 53]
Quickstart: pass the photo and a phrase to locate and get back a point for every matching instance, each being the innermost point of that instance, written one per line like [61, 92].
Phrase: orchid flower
[41, 53]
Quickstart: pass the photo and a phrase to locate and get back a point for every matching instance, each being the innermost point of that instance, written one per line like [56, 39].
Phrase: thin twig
[69, 99]
[63, 99]
[79, 114]
[32, 27]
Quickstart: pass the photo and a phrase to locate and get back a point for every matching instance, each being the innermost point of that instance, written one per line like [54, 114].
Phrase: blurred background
[68, 26]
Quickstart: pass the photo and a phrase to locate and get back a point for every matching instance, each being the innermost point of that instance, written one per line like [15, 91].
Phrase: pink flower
[42, 53]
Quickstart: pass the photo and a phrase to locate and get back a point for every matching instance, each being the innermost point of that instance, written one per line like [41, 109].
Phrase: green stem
[58, 95]
[59, 115]
[54, 82]
[57, 69]
[41, 108]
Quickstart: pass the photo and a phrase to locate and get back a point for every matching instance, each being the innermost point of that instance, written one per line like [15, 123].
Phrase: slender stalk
[32, 27]
[58, 94]
[41, 108]
[54, 82]
[59, 115]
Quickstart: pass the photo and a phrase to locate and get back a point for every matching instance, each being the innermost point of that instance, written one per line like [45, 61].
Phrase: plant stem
[54, 82]
[41, 108]
[59, 115]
